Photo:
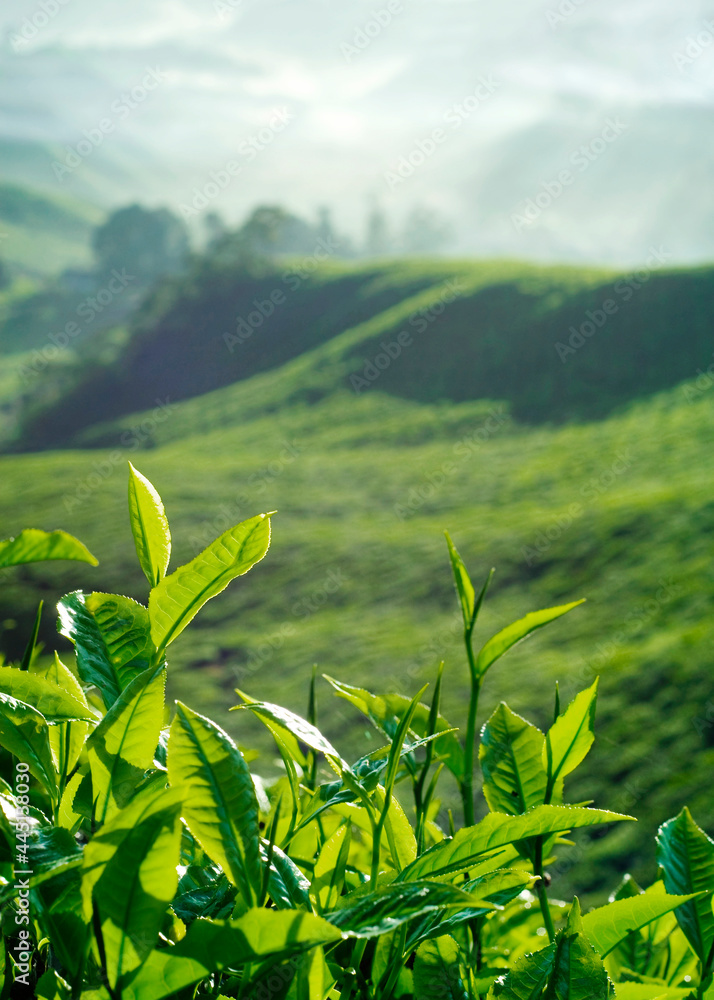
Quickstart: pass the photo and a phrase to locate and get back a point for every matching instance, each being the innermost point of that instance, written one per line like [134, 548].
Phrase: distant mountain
[598, 185]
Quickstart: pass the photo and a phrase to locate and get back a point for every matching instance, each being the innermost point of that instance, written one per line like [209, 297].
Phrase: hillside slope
[556, 343]
[44, 234]
[619, 511]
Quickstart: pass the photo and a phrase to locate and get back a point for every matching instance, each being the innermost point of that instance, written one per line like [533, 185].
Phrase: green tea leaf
[437, 972]
[24, 733]
[102, 847]
[67, 740]
[395, 749]
[380, 912]
[578, 972]
[68, 816]
[121, 748]
[569, 969]
[504, 640]
[401, 846]
[329, 872]
[210, 946]
[606, 926]
[686, 855]
[51, 986]
[369, 768]
[462, 580]
[281, 733]
[570, 737]
[496, 888]
[314, 980]
[385, 713]
[528, 977]
[177, 598]
[47, 698]
[149, 526]
[203, 893]
[500, 886]
[57, 906]
[111, 637]
[220, 806]
[651, 991]
[498, 830]
[287, 886]
[33, 545]
[514, 778]
[400, 835]
[296, 726]
[49, 848]
[31, 649]
[130, 870]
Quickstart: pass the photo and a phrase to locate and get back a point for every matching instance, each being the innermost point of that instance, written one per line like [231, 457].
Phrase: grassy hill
[555, 343]
[44, 234]
[618, 510]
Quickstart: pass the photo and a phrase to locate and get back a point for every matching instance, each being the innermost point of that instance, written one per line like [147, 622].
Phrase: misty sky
[513, 90]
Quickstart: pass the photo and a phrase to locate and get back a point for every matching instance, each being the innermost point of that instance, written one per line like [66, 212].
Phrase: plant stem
[377, 829]
[467, 786]
[99, 937]
[541, 890]
[397, 964]
[357, 956]
[706, 974]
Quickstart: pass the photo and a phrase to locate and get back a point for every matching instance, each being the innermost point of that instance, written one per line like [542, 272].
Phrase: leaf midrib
[117, 756]
[172, 631]
[243, 879]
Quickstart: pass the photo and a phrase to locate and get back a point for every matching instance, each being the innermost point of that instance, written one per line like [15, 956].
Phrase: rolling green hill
[556, 343]
[44, 234]
[618, 510]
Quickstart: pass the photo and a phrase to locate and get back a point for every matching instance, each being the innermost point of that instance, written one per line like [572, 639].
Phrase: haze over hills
[469, 110]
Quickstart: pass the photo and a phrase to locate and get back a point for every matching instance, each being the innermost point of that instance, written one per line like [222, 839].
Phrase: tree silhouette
[148, 243]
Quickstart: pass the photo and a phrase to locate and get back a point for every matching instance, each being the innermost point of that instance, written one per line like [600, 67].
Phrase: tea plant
[140, 858]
